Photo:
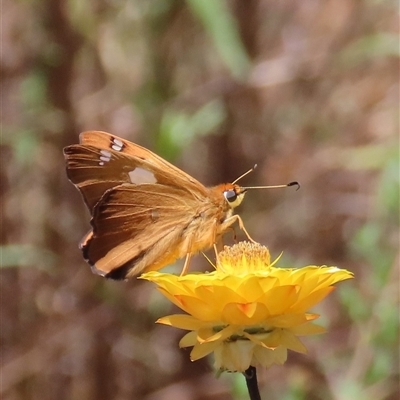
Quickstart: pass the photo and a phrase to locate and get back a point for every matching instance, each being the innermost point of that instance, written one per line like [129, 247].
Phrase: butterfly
[145, 212]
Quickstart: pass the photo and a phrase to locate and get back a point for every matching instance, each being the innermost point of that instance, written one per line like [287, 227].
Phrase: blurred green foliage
[307, 90]
[222, 27]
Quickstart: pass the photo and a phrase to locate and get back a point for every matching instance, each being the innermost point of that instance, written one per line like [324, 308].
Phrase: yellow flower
[247, 311]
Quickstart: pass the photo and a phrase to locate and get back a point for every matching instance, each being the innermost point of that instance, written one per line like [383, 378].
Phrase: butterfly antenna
[294, 183]
[274, 186]
[246, 173]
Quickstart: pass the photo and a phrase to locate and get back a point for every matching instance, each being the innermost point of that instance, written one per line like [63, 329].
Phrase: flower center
[243, 258]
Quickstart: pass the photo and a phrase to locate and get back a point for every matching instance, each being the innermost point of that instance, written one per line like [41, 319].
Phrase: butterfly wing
[102, 161]
[138, 228]
[128, 190]
[94, 177]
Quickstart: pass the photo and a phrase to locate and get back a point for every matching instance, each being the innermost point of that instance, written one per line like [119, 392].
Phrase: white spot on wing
[140, 175]
[105, 157]
[106, 153]
[117, 144]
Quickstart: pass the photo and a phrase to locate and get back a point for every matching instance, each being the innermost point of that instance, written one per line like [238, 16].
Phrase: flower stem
[252, 384]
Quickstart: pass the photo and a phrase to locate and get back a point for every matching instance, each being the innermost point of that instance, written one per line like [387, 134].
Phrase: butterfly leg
[228, 222]
[186, 265]
[241, 226]
[216, 253]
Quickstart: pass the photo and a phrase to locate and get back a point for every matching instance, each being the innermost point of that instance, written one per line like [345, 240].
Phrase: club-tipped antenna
[294, 183]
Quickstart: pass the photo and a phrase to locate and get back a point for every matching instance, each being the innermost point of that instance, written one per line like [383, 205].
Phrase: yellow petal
[190, 339]
[198, 308]
[234, 356]
[250, 288]
[257, 339]
[285, 338]
[181, 321]
[286, 320]
[292, 342]
[311, 316]
[185, 284]
[267, 357]
[174, 287]
[331, 275]
[201, 350]
[280, 298]
[317, 277]
[311, 300]
[170, 297]
[305, 276]
[268, 282]
[218, 296]
[308, 329]
[244, 314]
[203, 335]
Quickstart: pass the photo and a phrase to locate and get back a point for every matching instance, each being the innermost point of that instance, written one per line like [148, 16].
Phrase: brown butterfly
[146, 213]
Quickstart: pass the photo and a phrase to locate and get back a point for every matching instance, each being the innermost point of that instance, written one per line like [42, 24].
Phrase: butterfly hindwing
[120, 244]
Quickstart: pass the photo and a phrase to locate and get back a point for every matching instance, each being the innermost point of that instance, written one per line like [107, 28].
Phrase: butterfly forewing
[92, 175]
[103, 161]
[162, 171]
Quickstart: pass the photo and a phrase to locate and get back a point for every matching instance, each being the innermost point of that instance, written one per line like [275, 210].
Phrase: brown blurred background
[306, 89]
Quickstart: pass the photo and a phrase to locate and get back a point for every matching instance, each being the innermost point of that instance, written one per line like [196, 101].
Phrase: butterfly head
[233, 194]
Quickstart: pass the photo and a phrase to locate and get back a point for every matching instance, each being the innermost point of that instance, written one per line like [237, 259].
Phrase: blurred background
[308, 90]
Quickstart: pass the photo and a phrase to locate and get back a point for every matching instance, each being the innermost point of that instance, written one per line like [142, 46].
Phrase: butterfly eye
[230, 196]
[233, 197]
